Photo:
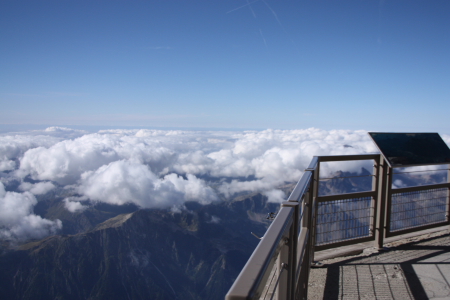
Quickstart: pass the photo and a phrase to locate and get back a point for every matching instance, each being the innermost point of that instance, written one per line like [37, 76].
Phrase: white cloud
[276, 196]
[39, 188]
[14, 146]
[65, 161]
[72, 205]
[62, 132]
[124, 181]
[7, 165]
[17, 220]
[215, 220]
[398, 184]
[31, 227]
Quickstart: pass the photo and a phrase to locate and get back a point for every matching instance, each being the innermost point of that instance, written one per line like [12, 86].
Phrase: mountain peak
[117, 221]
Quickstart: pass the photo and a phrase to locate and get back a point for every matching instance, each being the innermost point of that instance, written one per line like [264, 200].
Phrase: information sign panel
[412, 149]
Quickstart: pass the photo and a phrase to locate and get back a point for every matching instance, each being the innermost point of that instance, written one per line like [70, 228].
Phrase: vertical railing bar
[447, 213]
[303, 237]
[308, 222]
[270, 283]
[375, 187]
[303, 275]
[293, 249]
[283, 280]
[381, 202]
[388, 208]
[314, 203]
[288, 252]
[277, 283]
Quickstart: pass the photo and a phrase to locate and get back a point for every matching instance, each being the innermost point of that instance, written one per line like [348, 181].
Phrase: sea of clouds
[153, 168]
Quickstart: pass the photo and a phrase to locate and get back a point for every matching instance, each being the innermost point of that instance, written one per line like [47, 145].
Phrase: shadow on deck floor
[414, 270]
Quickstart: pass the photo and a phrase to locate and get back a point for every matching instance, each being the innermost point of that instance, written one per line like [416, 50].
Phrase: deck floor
[415, 268]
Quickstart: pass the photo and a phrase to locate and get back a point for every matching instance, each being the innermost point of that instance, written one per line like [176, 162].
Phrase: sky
[377, 65]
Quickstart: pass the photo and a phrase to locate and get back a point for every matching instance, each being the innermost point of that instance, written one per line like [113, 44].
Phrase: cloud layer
[158, 168]
[269, 157]
[17, 220]
[125, 181]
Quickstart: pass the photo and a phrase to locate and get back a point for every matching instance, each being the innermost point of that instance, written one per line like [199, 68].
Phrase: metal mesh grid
[341, 220]
[419, 208]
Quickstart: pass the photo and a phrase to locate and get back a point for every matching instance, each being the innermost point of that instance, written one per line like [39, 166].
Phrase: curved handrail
[253, 277]
[250, 282]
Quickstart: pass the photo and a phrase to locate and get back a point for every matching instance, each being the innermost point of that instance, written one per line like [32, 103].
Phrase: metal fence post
[388, 202]
[375, 187]
[283, 279]
[301, 287]
[314, 208]
[447, 213]
[291, 244]
[381, 202]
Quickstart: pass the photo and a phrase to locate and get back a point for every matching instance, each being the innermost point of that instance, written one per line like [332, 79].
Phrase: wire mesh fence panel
[342, 220]
[418, 208]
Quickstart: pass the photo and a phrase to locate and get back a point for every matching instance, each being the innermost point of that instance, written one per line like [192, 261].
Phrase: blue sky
[285, 64]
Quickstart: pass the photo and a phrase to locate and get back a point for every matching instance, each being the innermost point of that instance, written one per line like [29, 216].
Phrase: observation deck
[401, 193]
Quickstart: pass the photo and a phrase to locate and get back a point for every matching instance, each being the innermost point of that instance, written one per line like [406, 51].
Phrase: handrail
[301, 188]
[251, 281]
[257, 269]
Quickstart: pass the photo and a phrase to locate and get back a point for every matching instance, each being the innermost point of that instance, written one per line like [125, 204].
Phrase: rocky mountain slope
[143, 254]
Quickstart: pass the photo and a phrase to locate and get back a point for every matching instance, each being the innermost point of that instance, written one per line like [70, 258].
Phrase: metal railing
[312, 220]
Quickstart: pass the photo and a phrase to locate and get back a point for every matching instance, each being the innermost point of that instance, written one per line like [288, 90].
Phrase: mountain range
[122, 252]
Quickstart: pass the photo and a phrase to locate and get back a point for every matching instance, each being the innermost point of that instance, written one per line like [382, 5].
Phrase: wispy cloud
[253, 12]
[273, 13]
[278, 20]
[262, 36]
[245, 5]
